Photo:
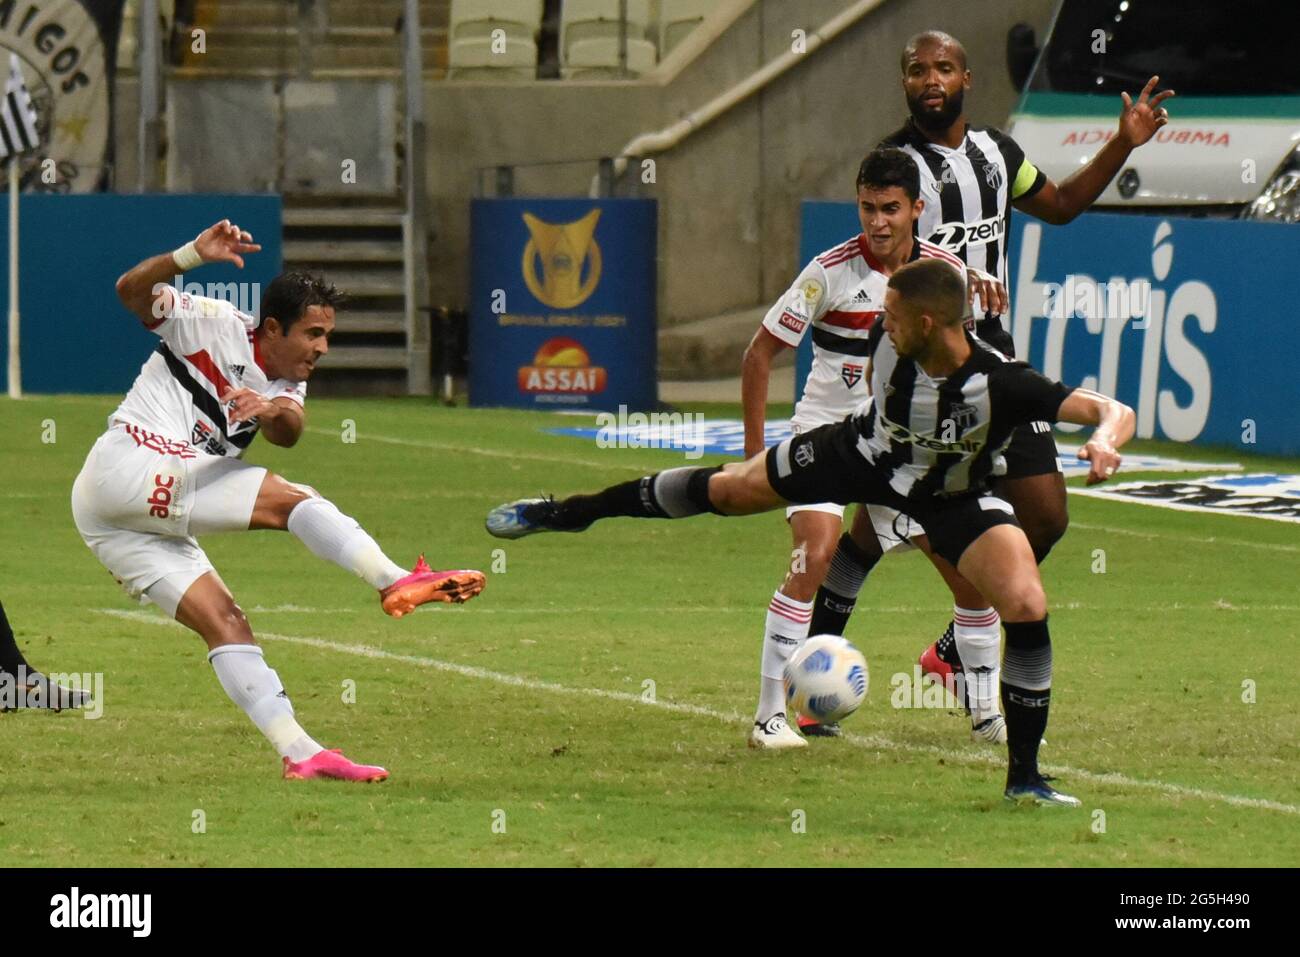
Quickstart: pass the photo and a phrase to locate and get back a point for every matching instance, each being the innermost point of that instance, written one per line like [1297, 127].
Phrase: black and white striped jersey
[942, 436]
[968, 192]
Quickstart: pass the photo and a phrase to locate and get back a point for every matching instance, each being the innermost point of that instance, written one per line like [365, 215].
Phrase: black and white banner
[1263, 495]
[66, 52]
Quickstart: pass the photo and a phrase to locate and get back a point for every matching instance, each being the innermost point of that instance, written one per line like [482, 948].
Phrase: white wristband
[187, 257]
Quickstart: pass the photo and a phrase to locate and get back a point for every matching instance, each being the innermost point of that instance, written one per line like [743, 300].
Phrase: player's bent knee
[224, 624]
[817, 559]
[731, 493]
[277, 499]
[1025, 602]
[1046, 531]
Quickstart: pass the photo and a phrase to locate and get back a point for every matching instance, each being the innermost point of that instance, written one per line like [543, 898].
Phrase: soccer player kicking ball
[169, 469]
[837, 298]
[924, 447]
[971, 179]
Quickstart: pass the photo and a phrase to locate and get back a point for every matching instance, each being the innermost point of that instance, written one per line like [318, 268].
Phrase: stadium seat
[678, 18]
[598, 57]
[582, 20]
[476, 19]
[474, 58]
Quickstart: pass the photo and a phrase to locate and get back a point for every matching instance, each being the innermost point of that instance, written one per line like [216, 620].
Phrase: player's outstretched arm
[1138, 122]
[142, 288]
[1115, 424]
[755, 374]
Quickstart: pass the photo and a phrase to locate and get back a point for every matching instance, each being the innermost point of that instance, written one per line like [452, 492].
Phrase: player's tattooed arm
[1138, 122]
[1115, 424]
[755, 370]
[143, 289]
[281, 420]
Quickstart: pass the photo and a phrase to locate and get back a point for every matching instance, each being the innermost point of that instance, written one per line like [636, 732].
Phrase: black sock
[838, 594]
[946, 648]
[10, 657]
[675, 493]
[1026, 694]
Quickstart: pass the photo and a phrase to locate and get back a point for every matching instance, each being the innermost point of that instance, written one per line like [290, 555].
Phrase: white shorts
[141, 499]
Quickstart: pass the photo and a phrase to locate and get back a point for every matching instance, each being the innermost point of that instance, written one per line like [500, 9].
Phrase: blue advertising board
[562, 303]
[1189, 321]
[75, 335]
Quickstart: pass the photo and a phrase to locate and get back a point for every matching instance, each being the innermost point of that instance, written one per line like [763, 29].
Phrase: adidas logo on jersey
[237, 372]
[861, 297]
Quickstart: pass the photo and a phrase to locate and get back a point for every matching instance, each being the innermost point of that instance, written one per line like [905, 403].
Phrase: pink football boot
[331, 764]
[424, 584]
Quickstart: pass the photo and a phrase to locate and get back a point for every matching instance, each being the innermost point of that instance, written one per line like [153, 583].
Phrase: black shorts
[1032, 452]
[824, 465]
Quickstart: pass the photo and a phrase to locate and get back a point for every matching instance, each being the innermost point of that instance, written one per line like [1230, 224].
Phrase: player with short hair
[971, 179]
[169, 469]
[925, 445]
[837, 298]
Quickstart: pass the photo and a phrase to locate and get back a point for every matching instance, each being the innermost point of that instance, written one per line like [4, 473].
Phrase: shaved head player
[169, 469]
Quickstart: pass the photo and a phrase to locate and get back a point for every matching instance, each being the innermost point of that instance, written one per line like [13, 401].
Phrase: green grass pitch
[517, 728]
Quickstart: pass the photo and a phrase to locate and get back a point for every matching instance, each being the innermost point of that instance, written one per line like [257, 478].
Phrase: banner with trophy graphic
[562, 303]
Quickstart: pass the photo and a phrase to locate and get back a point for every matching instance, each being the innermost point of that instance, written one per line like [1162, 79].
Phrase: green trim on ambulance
[1282, 109]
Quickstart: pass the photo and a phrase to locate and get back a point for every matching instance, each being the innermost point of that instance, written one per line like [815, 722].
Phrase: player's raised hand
[1103, 459]
[245, 405]
[1140, 120]
[223, 242]
[992, 295]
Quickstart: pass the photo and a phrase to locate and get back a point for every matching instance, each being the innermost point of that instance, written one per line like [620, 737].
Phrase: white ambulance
[1232, 144]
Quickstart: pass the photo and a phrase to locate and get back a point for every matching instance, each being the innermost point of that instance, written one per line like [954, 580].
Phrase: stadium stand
[590, 38]
[473, 29]
[677, 18]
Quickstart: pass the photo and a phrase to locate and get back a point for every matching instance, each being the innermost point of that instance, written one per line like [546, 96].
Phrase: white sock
[335, 537]
[786, 629]
[253, 686]
[978, 635]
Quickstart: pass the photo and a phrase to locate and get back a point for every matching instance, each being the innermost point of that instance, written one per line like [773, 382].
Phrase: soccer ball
[826, 679]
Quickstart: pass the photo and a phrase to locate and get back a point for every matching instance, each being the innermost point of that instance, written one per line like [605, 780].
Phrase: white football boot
[775, 734]
[993, 730]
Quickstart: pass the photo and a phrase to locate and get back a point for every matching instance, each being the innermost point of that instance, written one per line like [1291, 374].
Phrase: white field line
[566, 460]
[1208, 540]
[486, 453]
[757, 608]
[870, 742]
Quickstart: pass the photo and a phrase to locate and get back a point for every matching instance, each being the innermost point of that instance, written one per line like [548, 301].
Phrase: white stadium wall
[729, 194]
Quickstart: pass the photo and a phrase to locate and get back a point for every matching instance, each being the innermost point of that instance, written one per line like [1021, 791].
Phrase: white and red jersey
[207, 348]
[841, 295]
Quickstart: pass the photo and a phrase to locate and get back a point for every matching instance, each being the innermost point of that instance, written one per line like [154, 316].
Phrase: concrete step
[711, 348]
[393, 323]
[780, 389]
[341, 13]
[279, 36]
[364, 357]
[342, 251]
[358, 280]
[344, 216]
